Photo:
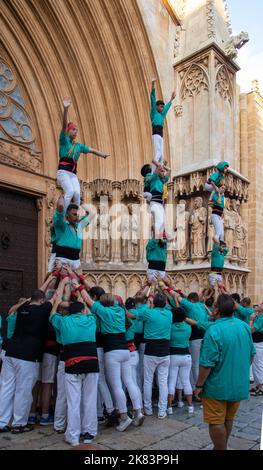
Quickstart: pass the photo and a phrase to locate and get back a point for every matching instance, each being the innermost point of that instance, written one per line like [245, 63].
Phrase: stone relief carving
[17, 156]
[235, 43]
[223, 85]
[102, 240]
[130, 189]
[182, 226]
[51, 200]
[129, 236]
[229, 227]
[176, 41]
[186, 184]
[178, 110]
[187, 281]
[227, 17]
[194, 82]
[210, 15]
[101, 187]
[198, 229]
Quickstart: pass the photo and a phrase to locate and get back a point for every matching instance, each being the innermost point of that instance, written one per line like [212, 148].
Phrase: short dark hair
[72, 206]
[158, 102]
[246, 302]
[193, 296]
[225, 305]
[236, 297]
[179, 314]
[146, 169]
[159, 300]
[107, 300]
[140, 299]
[76, 307]
[209, 302]
[130, 303]
[96, 292]
[38, 295]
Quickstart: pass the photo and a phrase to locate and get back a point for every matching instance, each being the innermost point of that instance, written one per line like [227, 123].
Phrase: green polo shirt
[218, 197]
[66, 234]
[180, 334]
[156, 251]
[11, 325]
[258, 324]
[216, 177]
[227, 347]
[156, 183]
[138, 322]
[65, 146]
[157, 118]
[195, 310]
[218, 256]
[112, 318]
[244, 313]
[75, 328]
[157, 323]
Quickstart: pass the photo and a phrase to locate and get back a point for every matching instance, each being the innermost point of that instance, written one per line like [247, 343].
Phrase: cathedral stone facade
[104, 54]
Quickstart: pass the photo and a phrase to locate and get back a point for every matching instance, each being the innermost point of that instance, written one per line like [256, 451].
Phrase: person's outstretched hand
[66, 102]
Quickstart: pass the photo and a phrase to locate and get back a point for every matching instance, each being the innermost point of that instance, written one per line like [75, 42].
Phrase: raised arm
[66, 105]
[98, 153]
[168, 105]
[153, 98]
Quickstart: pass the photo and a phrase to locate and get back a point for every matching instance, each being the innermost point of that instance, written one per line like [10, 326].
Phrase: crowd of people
[97, 357]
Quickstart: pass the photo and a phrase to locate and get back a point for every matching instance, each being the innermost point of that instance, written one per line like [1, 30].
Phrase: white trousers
[140, 370]
[195, 347]
[134, 360]
[257, 364]
[218, 224]
[161, 366]
[70, 184]
[118, 370]
[103, 388]
[60, 417]
[51, 263]
[48, 368]
[152, 275]
[158, 213]
[18, 380]
[73, 263]
[158, 147]
[81, 393]
[2, 358]
[180, 366]
[214, 279]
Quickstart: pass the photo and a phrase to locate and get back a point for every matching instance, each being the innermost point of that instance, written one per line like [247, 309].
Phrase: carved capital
[130, 188]
[20, 157]
[101, 187]
[178, 110]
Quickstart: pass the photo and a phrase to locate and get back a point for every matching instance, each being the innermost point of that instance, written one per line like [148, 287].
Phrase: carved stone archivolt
[51, 201]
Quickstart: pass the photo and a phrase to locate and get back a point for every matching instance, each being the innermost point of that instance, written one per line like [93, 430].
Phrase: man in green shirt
[158, 115]
[69, 152]
[69, 233]
[218, 255]
[225, 359]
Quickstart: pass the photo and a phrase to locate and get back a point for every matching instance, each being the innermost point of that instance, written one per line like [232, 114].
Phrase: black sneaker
[88, 438]
[101, 419]
[112, 419]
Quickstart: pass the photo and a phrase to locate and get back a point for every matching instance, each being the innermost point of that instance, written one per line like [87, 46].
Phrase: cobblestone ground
[177, 432]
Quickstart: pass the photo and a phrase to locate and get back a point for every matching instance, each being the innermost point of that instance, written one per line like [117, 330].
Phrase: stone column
[115, 223]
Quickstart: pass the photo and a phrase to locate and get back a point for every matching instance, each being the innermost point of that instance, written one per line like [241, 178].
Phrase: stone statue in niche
[210, 230]
[129, 235]
[238, 229]
[182, 226]
[235, 43]
[229, 226]
[198, 229]
[242, 236]
[102, 243]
